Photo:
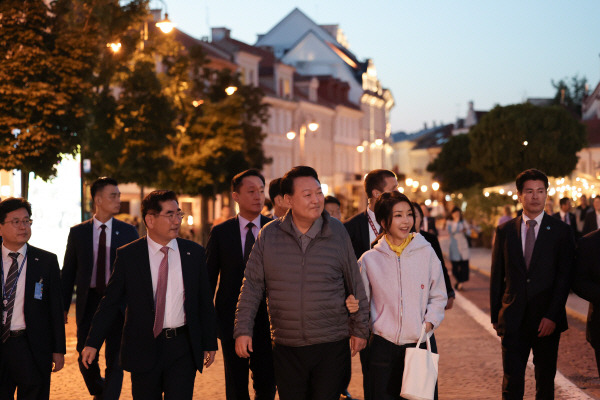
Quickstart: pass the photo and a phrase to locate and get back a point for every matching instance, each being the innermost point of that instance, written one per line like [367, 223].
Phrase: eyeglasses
[16, 223]
[172, 216]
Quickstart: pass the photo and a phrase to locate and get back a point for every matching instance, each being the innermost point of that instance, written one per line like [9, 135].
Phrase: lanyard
[7, 296]
[375, 231]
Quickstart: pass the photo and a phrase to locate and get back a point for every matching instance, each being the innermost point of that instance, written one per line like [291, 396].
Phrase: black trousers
[386, 367]
[237, 369]
[109, 386]
[515, 352]
[19, 371]
[314, 372]
[173, 373]
[460, 270]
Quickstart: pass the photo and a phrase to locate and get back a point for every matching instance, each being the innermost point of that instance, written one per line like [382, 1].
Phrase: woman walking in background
[405, 286]
[459, 247]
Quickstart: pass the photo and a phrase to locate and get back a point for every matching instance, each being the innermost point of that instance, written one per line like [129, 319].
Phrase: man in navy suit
[32, 333]
[91, 249]
[228, 249]
[566, 216]
[531, 271]
[170, 327]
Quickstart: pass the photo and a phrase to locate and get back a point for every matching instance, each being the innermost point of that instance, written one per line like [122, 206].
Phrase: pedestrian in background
[435, 244]
[459, 247]
[279, 206]
[305, 264]
[170, 327]
[332, 206]
[32, 334]
[404, 283]
[428, 224]
[592, 218]
[227, 252]
[89, 258]
[508, 215]
[532, 262]
[581, 211]
[566, 216]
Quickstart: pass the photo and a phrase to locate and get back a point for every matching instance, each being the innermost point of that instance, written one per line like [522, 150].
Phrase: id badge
[39, 288]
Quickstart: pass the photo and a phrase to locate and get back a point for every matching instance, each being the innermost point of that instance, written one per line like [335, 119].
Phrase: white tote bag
[420, 371]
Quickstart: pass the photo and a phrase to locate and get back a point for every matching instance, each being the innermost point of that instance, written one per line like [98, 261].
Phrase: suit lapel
[32, 275]
[237, 238]
[186, 266]
[543, 235]
[365, 232]
[88, 243]
[115, 242]
[516, 243]
[144, 270]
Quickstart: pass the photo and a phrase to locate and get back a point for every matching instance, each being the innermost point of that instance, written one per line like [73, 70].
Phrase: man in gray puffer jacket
[306, 265]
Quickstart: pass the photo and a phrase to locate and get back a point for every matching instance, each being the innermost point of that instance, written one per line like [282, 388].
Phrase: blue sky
[434, 55]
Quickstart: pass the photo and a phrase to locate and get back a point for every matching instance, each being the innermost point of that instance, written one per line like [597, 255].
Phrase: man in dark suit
[363, 229]
[170, 326]
[32, 334]
[91, 250]
[592, 217]
[228, 249]
[566, 216]
[532, 264]
[586, 284]
[428, 224]
[279, 206]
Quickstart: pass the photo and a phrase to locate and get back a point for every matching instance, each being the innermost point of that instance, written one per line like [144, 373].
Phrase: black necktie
[249, 242]
[10, 283]
[101, 262]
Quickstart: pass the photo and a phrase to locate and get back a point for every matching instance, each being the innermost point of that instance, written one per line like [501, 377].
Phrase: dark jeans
[386, 367]
[314, 372]
[460, 270]
[515, 352]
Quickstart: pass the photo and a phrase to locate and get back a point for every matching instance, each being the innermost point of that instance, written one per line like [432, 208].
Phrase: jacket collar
[285, 224]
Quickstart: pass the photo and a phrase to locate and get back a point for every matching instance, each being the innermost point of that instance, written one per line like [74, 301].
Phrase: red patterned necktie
[161, 292]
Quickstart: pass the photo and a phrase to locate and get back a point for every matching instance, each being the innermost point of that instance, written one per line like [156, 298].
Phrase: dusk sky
[437, 55]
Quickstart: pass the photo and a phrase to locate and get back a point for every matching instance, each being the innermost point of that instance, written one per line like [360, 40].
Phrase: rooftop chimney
[221, 33]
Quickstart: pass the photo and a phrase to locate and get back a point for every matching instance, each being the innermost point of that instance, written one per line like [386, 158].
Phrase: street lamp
[291, 135]
[231, 90]
[165, 25]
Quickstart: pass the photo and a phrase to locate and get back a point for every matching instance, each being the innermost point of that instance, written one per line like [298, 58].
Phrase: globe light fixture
[166, 25]
[291, 135]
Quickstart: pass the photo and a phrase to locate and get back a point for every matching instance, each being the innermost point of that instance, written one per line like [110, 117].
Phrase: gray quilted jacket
[305, 292]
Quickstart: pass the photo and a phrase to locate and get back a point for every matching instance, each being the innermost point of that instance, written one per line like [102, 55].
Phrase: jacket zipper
[400, 303]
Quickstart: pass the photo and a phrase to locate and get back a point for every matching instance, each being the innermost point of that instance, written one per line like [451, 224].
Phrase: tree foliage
[511, 139]
[452, 166]
[570, 95]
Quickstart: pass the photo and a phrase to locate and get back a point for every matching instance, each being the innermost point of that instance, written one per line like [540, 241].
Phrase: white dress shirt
[537, 219]
[174, 312]
[372, 234]
[96, 238]
[18, 317]
[597, 219]
[244, 229]
[562, 217]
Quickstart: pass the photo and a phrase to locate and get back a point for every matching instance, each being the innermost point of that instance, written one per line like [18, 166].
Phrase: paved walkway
[470, 358]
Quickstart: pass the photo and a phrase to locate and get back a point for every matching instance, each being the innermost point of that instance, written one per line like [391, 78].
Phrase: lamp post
[291, 135]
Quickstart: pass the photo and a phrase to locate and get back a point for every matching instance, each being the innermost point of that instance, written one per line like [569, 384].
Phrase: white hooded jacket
[403, 292]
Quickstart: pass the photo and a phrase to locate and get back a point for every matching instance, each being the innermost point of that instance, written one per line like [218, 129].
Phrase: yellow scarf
[400, 248]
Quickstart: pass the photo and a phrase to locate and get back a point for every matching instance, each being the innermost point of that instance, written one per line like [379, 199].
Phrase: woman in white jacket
[405, 286]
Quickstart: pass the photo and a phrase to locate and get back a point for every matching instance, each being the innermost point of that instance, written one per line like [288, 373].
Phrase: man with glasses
[90, 255]
[170, 325]
[32, 334]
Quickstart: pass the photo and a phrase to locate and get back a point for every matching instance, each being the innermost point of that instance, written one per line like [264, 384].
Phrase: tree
[43, 89]
[452, 166]
[570, 96]
[511, 139]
